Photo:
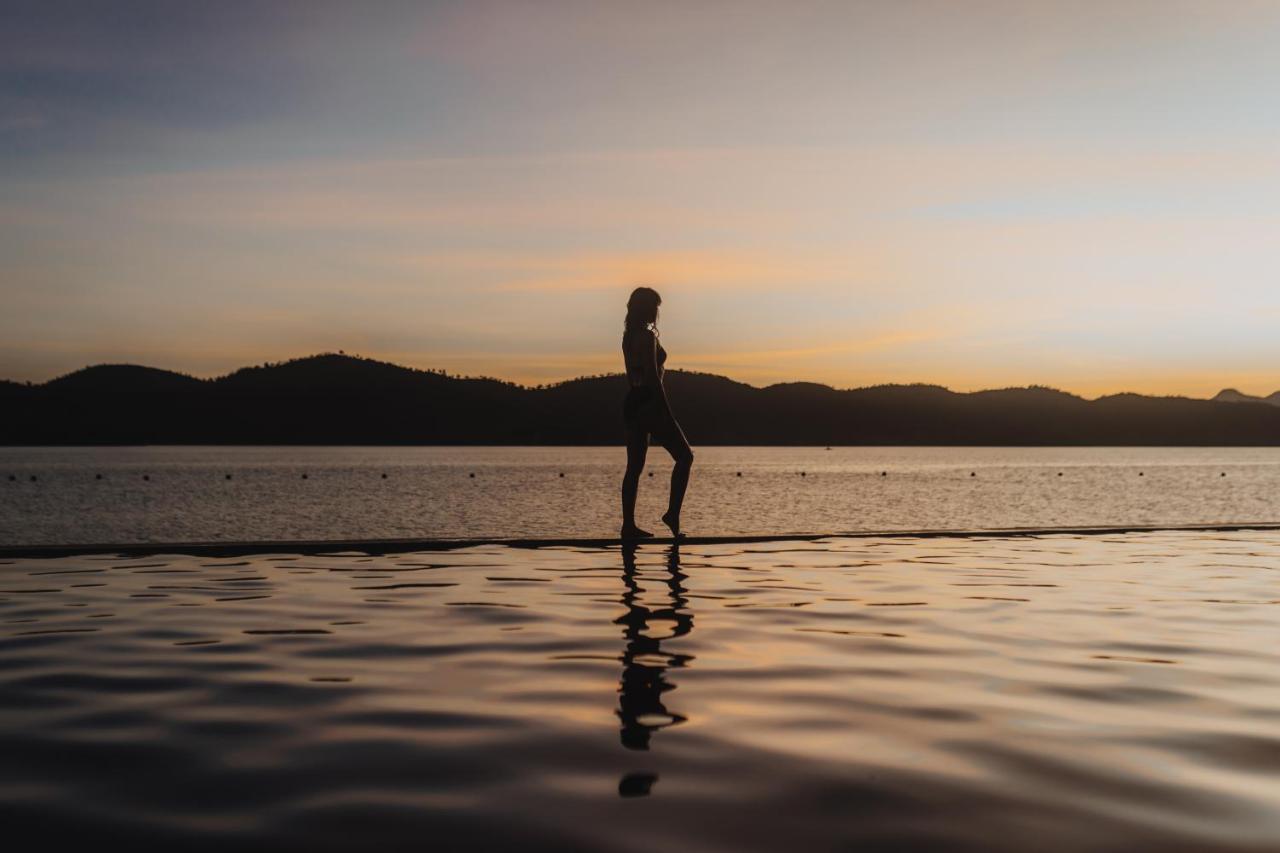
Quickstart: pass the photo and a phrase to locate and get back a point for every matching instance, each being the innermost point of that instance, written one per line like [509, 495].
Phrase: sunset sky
[977, 194]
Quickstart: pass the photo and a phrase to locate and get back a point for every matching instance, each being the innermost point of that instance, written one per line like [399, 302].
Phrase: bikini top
[635, 372]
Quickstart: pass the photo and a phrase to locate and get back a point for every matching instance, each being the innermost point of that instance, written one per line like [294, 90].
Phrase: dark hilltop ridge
[339, 399]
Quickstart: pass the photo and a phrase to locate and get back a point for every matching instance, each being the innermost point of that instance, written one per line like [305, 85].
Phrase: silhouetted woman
[646, 412]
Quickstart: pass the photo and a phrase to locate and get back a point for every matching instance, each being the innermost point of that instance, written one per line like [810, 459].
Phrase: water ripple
[835, 695]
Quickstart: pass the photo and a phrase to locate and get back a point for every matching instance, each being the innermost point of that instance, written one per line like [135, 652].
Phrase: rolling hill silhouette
[123, 379]
[1231, 395]
[339, 399]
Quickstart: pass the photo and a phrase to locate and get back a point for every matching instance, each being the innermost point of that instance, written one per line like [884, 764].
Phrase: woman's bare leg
[672, 438]
[637, 450]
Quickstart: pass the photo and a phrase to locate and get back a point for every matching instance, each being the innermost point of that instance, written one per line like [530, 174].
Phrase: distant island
[340, 399]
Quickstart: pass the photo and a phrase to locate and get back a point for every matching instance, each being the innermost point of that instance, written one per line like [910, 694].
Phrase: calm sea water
[167, 494]
[1051, 693]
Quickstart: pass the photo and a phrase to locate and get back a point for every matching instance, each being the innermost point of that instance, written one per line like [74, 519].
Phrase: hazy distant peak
[1231, 395]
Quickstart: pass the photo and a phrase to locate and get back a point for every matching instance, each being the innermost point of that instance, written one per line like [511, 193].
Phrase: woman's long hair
[642, 309]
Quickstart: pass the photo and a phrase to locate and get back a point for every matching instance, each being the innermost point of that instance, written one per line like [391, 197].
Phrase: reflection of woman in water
[646, 412]
[644, 663]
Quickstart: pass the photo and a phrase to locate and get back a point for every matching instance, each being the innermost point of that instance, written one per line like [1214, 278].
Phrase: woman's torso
[637, 347]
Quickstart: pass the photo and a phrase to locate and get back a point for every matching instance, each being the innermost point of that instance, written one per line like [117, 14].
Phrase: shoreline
[392, 546]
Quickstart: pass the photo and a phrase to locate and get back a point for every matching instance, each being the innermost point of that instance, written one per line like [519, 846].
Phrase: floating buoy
[884, 473]
[472, 475]
[739, 473]
[12, 478]
[1140, 474]
[146, 477]
[973, 474]
[1059, 473]
[33, 478]
[650, 473]
[228, 476]
[802, 474]
[304, 476]
[97, 476]
[384, 476]
[562, 475]
[1223, 474]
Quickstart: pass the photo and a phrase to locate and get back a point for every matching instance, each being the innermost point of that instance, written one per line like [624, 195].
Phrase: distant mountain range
[338, 399]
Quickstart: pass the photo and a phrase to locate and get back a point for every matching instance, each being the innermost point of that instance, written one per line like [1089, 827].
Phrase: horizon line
[578, 378]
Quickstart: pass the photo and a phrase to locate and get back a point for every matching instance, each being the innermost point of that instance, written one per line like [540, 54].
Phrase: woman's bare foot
[633, 532]
[673, 521]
